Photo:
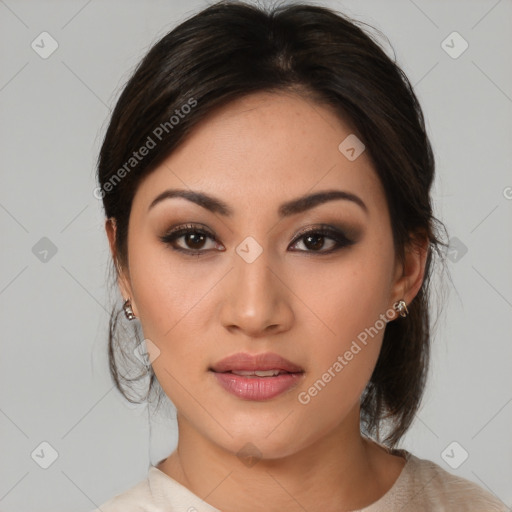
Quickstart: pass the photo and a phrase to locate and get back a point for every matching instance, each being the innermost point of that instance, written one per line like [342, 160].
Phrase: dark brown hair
[232, 49]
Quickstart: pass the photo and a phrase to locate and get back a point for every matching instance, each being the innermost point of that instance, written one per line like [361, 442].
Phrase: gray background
[55, 386]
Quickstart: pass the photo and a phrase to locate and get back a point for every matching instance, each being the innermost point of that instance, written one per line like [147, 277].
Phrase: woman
[266, 181]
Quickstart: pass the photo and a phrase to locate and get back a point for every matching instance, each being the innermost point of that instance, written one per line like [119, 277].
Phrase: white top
[422, 486]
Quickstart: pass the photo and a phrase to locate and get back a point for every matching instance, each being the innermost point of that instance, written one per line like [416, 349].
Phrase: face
[244, 276]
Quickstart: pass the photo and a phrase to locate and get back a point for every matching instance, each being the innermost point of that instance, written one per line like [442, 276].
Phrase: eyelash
[322, 230]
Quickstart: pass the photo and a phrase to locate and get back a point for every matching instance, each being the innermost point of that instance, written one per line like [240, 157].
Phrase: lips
[244, 362]
[256, 377]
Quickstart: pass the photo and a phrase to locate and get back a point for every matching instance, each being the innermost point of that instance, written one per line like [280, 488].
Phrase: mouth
[256, 377]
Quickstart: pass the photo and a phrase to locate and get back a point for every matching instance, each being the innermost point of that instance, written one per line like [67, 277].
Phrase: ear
[123, 279]
[409, 275]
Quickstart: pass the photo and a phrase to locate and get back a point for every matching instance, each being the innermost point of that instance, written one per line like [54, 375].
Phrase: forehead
[264, 148]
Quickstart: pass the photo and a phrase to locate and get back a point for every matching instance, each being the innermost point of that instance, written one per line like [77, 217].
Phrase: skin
[254, 154]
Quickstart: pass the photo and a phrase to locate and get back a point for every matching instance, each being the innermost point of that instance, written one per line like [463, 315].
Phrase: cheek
[172, 297]
[342, 363]
[166, 289]
[345, 296]
[351, 309]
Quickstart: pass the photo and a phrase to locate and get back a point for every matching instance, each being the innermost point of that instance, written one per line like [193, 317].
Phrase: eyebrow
[286, 209]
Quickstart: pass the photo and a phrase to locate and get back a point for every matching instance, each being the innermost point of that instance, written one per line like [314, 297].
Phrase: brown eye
[314, 240]
[193, 238]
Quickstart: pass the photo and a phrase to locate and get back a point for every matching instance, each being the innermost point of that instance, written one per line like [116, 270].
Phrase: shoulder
[156, 493]
[427, 486]
[135, 499]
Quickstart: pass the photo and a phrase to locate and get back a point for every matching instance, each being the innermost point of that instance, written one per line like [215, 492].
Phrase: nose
[256, 298]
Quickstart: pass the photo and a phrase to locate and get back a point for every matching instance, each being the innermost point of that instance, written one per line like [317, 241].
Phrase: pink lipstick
[256, 377]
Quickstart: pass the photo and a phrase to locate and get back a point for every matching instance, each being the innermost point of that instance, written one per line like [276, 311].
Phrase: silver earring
[128, 311]
[401, 308]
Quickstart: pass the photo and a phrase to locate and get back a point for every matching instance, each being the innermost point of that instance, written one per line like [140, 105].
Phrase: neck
[340, 471]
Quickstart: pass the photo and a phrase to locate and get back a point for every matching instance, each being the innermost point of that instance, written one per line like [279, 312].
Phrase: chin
[264, 443]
